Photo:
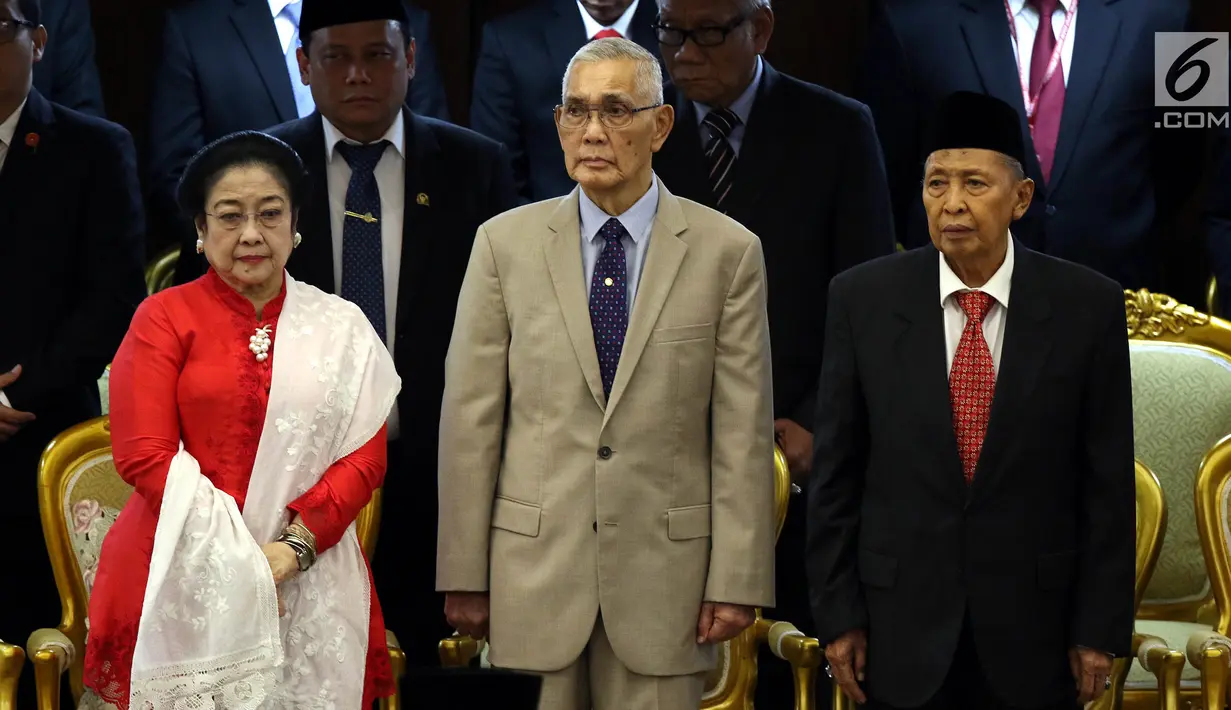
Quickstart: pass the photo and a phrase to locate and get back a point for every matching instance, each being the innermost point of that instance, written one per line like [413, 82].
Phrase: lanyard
[1052, 64]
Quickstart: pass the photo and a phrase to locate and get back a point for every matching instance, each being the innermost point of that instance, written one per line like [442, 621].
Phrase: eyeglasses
[701, 36]
[614, 114]
[231, 221]
[9, 27]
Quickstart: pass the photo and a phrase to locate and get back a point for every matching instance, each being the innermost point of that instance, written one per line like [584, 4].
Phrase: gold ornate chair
[1181, 364]
[11, 660]
[732, 683]
[160, 273]
[80, 497]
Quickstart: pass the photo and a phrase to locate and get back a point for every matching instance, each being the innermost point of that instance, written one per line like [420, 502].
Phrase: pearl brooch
[259, 344]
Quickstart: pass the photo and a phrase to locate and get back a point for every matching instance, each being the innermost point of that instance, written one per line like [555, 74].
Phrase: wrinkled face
[606, 12]
[17, 57]
[358, 74]
[248, 227]
[714, 75]
[971, 197]
[602, 159]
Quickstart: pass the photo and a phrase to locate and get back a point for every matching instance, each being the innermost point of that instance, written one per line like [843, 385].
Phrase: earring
[200, 247]
[298, 238]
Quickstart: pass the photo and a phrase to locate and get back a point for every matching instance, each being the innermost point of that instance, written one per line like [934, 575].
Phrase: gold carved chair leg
[803, 653]
[52, 654]
[397, 660]
[12, 658]
[1165, 663]
[1210, 653]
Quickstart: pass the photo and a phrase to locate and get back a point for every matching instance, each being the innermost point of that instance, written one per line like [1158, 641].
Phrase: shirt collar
[637, 219]
[621, 25]
[396, 135]
[9, 127]
[997, 286]
[742, 106]
[1017, 6]
[277, 6]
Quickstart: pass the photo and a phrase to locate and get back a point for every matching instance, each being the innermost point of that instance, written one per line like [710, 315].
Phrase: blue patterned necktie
[304, 104]
[609, 301]
[363, 274]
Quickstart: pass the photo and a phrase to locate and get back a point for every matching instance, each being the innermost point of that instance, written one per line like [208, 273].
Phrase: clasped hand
[284, 565]
[11, 420]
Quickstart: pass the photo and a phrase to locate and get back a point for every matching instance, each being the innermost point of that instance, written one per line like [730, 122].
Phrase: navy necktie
[609, 301]
[718, 152]
[363, 274]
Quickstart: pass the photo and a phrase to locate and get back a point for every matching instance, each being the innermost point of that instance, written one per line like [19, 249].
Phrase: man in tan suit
[606, 496]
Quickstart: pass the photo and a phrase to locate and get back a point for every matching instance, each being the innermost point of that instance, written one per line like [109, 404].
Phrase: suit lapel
[418, 220]
[312, 261]
[564, 34]
[662, 262]
[1027, 342]
[256, 28]
[986, 30]
[563, 252]
[921, 357]
[22, 166]
[683, 158]
[762, 146]
[1097, 27]
[641, 29]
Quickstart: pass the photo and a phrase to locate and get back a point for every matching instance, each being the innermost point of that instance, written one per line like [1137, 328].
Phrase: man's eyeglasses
[701, 36]
[9, 26]
[614, 115]
[231, 221]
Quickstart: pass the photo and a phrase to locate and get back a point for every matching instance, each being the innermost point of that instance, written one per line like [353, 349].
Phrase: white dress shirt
[390, 176]
[288, 40]
[637, 220]
[8, 129]
[1026, 20]
[993, 321]
[621, 25]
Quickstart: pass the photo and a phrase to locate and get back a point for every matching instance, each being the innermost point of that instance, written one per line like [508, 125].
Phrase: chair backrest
[80, 497]
[730, 685]
[160, 273]
[1214, 521]
[1151, 524]
[1181, 369]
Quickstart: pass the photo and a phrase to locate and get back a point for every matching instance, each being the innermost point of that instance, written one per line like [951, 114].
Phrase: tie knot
[604, 34]
[292, 11]
[612, 231]
[721, 121]
[975, 304]
[362, 158]
[1046, 8]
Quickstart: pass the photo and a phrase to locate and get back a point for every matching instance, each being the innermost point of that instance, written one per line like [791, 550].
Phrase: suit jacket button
[604, 453]
[1050, 210]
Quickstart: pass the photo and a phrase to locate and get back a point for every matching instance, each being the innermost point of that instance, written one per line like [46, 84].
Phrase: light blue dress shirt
[638, 221]
[742, 108]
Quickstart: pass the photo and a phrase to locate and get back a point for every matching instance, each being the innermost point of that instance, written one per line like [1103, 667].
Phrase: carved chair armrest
[12, 658]
[458, 651]
[1210, 653]
[51, 653]
[397, 663]
[1167, 664]
[803, 653]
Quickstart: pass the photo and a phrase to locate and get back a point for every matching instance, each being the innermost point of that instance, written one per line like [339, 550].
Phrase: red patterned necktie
[1045, 126]
[972, 382]
[604, 34]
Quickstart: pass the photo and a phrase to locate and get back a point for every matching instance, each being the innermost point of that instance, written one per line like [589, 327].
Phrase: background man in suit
[71, 273]
[516, 83]
[1107, 182]
[66, 74]
[799, 166]
[231, 65]
[929, 557]
[604, 480]
[427, 185]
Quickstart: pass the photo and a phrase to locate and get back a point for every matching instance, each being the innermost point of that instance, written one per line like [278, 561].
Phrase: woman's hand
[283, 564]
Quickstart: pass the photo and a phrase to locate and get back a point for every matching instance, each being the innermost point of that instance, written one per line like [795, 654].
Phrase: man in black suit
[971, 523]
[66, 74]
[428, 185]
[517, 80]
[71, 274]
[799, 166]
[1106, 179]
[232, 65]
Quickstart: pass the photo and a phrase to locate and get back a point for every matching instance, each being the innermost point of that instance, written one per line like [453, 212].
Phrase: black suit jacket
[1039, 549]
[810, 183]
[1115, 177]
[66, 74]
[72, 273]
[517, 85]
[222, 70]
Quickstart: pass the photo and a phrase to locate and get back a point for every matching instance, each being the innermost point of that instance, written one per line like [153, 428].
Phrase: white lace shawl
[210, 635]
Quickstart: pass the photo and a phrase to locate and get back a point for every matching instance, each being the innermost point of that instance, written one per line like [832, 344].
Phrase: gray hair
[649, 75]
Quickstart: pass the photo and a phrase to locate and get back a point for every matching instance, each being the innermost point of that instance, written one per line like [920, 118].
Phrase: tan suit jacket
[560, 503]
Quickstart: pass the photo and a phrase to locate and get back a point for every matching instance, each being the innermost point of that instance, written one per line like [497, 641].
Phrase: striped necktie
[719, 154]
